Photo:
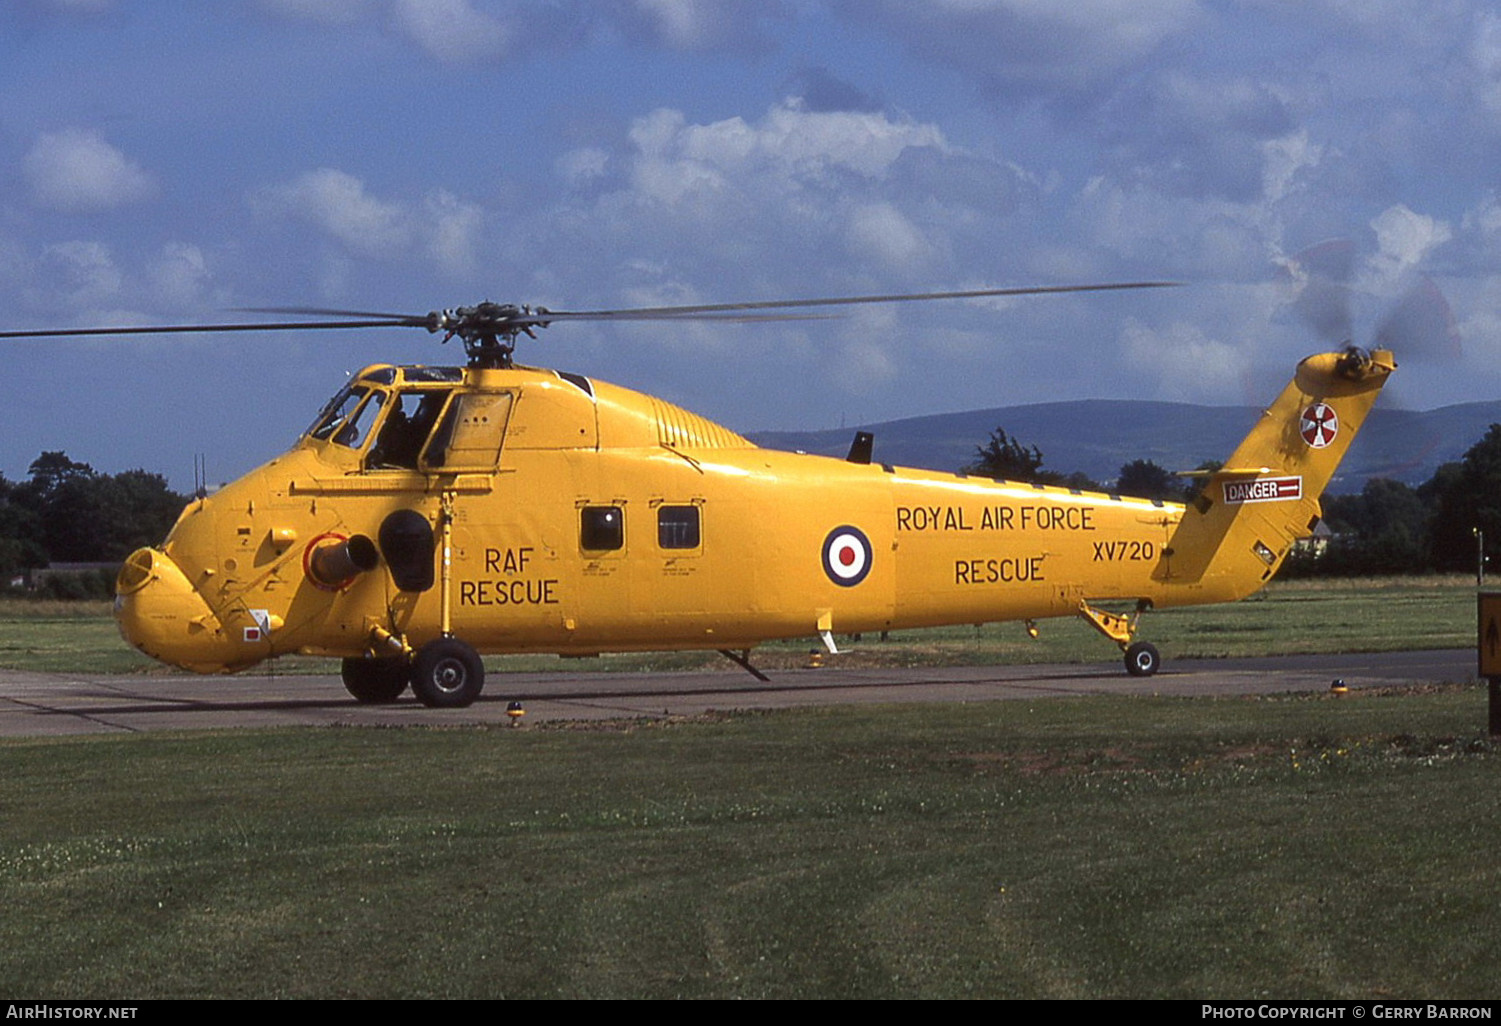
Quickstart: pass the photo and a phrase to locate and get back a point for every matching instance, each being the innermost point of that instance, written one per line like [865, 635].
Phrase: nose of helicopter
[160, 613]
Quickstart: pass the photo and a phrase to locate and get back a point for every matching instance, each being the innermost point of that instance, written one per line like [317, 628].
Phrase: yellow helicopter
[429, 515]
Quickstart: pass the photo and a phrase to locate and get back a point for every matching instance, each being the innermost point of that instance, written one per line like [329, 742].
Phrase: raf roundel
[1319, 425]
[846, 556]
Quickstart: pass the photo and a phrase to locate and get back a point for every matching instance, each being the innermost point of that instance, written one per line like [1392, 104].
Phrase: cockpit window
[352, 433]
[347, 416]
[339, 407]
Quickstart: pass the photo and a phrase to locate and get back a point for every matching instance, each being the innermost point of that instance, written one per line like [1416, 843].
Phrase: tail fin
[1235, 535]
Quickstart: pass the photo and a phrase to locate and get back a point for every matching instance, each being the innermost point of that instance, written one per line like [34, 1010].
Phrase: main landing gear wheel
[447, 674]
[375, 681]
[1142, 659]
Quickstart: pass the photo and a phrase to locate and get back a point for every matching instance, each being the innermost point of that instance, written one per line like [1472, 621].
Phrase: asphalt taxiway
[36, 704]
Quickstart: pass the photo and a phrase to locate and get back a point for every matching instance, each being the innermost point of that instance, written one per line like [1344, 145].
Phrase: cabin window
[601, 528]
[677, 527]
[410, 417]
[469, 435]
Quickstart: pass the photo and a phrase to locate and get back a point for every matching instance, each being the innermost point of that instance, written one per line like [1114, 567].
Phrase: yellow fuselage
[572, 516]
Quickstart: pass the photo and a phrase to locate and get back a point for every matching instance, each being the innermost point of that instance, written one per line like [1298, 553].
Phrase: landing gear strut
[1142, 659]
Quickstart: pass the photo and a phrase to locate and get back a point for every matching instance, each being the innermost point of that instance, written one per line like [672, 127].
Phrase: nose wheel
[447, 674]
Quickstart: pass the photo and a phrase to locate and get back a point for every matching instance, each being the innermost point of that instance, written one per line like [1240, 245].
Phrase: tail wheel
[447, 674]
[1142, 659]
[375, 681]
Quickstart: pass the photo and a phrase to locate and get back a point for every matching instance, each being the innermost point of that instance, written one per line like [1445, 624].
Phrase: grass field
[1294, 847]
[1298, 846]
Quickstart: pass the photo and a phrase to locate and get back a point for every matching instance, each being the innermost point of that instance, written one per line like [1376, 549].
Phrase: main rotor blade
[182, 329]
[716, 311]
[320, 311]
[519, 316]
[494, 318]
[669, 312]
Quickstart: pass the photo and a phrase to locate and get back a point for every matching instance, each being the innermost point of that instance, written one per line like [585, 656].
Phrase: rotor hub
[488, 330]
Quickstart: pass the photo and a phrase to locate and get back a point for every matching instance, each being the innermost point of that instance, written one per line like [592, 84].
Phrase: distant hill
[1097, 436]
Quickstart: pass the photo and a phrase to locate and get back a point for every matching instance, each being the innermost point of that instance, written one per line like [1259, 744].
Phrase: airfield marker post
[1488, 644]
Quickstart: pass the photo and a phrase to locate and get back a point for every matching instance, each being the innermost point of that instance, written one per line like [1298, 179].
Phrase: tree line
[1387, 528]
[67, 512]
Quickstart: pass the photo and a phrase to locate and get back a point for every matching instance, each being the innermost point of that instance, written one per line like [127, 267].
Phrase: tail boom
[1244, 523]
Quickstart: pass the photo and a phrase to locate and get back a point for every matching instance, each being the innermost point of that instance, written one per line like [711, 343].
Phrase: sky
[1305, 168]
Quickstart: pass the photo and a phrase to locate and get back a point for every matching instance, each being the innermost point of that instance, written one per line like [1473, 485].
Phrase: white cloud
[789, 149]
[702, 25]
[580, 165]
[1159, 234]
[683, 23]
[1485, 59]
[180, 275]
[76, 171]
[333, 12]
[1186, 364]
[1031, 45]
[1192, 133]
[863, 364]
[1404, 238]
[881, 230]
[454, 30]
[452, 229]
[778, 202]
[1284, 160]
[475, 31]
[660, 172]
[91, 281]
[808, 142]
[441, 226]
[81, 274]
[82, 6]
[15, 264]
[1485, 216]
[337, 202]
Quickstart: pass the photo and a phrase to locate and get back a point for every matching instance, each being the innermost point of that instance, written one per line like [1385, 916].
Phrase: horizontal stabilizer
[1227, 472]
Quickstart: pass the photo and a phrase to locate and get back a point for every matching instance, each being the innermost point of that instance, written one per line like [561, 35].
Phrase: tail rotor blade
[1421, 325]
[1324, 302]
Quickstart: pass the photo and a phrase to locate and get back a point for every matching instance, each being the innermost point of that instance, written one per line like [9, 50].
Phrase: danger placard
[1267, 489]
